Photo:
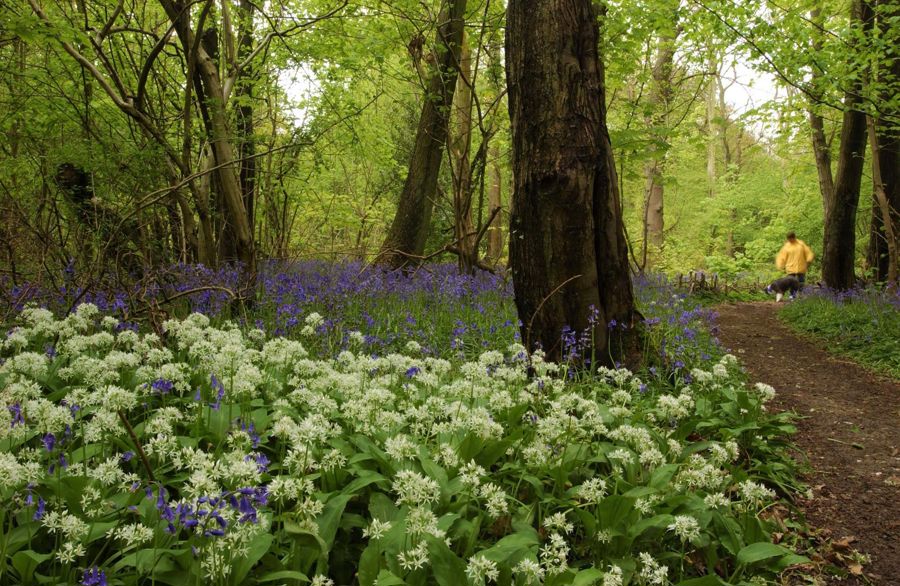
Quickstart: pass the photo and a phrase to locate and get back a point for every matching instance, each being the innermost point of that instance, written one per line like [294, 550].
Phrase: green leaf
[655, 522]
[587, 577]
[284, 576]
[366, 477]
[511, 545]
[256, 550]
[330, 518]
[710, 580]
[369, 564]
[763, 550]
[99, 530]
[387, 578]
[449, 570]
[26, 562]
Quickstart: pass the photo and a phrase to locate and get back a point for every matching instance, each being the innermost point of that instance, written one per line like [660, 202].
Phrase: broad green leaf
[587, 577]
[26, 562]
[756, 552]
[330, 518]
[369, 564]
[284, 576]
[709, 580]
[255, 551]
[510, 545]
[449, 570]
[387, 578]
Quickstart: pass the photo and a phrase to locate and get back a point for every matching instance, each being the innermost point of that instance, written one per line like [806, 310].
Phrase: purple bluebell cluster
[15, 411]
[683, 330]
[93, 577]
[207, 512]
[445, 310]
[219, 389]
[162, 386]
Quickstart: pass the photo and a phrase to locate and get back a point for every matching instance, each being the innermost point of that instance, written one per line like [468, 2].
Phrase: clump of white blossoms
[592, 490]
[754, 494]
[685, 527]
[414, 489]
[554, 555]
[495, 499]
[480, 569]
[766, 392]
[377, 529]
[613, 576]
[529, 571]
[652, 572]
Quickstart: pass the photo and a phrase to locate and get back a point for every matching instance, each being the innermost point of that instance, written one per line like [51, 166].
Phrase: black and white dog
[784, 285]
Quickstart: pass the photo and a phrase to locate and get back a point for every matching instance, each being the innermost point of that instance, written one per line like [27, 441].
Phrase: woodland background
[137, 132]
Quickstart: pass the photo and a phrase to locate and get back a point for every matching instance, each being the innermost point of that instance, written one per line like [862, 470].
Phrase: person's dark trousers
[800, 277]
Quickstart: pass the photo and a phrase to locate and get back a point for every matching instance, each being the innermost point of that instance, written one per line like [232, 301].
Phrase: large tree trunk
[840, 220]
[405, 241]
[567, 243]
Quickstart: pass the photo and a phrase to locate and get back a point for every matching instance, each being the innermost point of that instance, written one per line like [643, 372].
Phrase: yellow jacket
[794, 257]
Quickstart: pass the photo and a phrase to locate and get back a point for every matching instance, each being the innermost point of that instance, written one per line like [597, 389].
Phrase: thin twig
[137, 445]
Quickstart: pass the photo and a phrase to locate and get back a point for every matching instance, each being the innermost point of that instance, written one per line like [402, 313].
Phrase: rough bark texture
[567, 244]
[409, 230]
[840, 220]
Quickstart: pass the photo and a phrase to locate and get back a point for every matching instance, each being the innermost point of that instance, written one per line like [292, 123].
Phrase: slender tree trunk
[840, 220]
[567, 243]
[227, 172]
[711, 126]
[884, 179]
[460, 150]
[884, 233]
[654, 171]
[244, 91]
[406, 237]
[821, 145]
[495, 194]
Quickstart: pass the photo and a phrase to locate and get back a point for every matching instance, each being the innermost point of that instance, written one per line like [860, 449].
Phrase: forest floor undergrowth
[848, 430]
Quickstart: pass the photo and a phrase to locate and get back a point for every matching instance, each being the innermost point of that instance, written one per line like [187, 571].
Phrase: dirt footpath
[850, 432]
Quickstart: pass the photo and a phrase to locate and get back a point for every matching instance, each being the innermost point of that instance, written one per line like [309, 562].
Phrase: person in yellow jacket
[794, 258]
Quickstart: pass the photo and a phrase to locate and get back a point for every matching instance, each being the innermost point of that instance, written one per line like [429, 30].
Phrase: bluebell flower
[93, 577]
[220, 392]
[16, 411]
[162, 386]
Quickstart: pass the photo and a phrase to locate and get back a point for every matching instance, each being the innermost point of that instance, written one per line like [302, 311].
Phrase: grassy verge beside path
[862, 324]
